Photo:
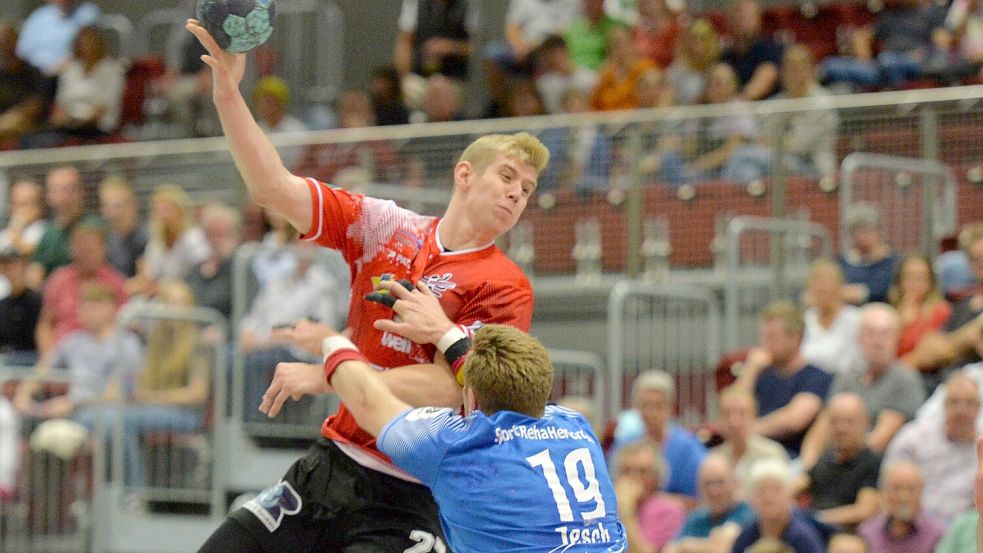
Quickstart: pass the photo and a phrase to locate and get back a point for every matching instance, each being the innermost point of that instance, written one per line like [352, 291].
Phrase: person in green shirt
[587, 38]
[961, 537]
[65, 196]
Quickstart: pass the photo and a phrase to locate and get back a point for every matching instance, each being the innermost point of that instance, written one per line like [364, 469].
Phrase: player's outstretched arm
[268, 180]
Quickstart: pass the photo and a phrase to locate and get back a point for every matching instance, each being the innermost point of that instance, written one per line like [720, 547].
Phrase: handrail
[966, 95]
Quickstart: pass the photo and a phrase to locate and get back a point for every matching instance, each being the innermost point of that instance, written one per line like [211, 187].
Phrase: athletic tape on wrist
[334, 343]
[450, 338]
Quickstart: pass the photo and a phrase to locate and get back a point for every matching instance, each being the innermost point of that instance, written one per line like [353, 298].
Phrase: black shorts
[328, 502]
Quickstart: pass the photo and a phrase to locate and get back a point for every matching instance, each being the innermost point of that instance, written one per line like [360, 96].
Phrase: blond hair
[739, 392]
[179, 198]
[508, 371]
[523, 146]
[825, 264]
[701, 30]
[788, 313]
[116, 183]
[172, 344]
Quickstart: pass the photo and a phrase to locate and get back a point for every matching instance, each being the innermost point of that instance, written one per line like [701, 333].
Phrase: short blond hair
[739, 392]
[825, 264]
[508, 370]
[788, 313]
[523, 146]
[117, 184]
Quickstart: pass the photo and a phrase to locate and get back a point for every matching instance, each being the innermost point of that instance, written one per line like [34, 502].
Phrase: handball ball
[237, 25]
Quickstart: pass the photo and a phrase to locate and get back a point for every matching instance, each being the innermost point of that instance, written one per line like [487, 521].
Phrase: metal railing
[669, 327]
[916, 196]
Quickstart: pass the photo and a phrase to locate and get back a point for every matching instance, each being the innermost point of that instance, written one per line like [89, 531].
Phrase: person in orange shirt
[616, 88]
[915, 294]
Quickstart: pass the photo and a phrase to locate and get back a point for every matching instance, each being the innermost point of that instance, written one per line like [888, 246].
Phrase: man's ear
[463, 174]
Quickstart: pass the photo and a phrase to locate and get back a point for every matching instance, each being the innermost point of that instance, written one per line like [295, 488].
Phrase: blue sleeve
[747, 537]
[818, 382]
[806, 542]
[417, 440]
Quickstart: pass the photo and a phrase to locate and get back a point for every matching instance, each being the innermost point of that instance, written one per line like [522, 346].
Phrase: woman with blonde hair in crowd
[616, 87]
[176, 243]
[656, 32]
[170, 392]
[698, 52]
[915, 294]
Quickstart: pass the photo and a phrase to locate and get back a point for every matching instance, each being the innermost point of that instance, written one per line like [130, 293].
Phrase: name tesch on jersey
[509, 481]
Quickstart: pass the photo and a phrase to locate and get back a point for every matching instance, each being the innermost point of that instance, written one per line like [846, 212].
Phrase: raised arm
[269, 182]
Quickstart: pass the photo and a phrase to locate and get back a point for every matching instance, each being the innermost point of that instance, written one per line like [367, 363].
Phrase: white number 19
[584, 491]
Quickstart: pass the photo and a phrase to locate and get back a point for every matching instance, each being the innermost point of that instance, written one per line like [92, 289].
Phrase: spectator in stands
[10, 431]
[830, 340]
[26, 225]
[902, 36]
[442, 100]
[810, 135]
[388, 102]
[182, 96]
[656, 32]
[723, 146]
[527, 24]
[89, 100]
[959, 344]
[46, 37]
[699, 51]
[790, 392]
[19, 311]
[742, 446]
[715, 524]
[868, 265]
[890, 390]
[587, 38]
[277, 259]
[272, 98]
[435, 38]
[618, 80]
[956, 278]
[653, 399]
[769, 488]
[756, 58]
[653, 90]
[945, 451]
[170, 388]
[965, 21]
[915, 294]
[581, 156]
[902, 526]
[127, 236]
[99, 357]
[314, 289]
[842, 485]
[176, 245]
[324, 161]
[60, 308]
[651, 517]
[556, 74]
[65, 195]
[211, 280]
[23, 90]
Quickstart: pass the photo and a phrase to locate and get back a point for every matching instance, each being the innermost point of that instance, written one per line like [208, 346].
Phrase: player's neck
[458, 233]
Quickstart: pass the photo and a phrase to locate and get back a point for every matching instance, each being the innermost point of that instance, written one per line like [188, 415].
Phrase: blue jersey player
[513, 474]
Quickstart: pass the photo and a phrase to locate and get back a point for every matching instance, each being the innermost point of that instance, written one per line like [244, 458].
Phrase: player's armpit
[428, 385]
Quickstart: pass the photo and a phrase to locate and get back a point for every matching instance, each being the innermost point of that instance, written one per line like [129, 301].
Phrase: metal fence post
[636, 203]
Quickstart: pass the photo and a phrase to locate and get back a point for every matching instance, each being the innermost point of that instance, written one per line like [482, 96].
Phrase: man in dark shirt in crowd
[19, 311]
[843, 483]
[755, 57]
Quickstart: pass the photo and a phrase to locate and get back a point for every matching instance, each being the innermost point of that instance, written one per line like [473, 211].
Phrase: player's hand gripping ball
[237, 25]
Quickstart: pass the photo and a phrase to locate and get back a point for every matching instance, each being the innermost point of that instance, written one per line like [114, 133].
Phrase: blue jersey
[510, 482]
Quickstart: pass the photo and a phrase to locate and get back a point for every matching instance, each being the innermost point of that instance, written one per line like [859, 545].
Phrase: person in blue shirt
[653, 397]
[715, 524]
[868, 264]
[512, 474]
[46, 38]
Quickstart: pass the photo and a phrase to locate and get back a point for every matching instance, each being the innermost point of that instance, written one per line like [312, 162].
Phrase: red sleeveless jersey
[376, 238]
